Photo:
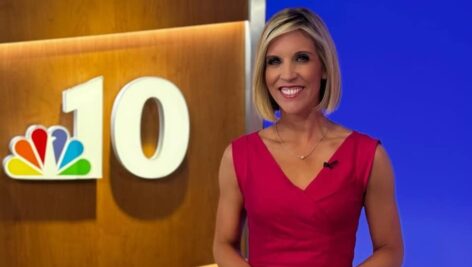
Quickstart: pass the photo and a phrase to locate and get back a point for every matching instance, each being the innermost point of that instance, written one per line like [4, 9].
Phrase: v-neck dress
[312, 227]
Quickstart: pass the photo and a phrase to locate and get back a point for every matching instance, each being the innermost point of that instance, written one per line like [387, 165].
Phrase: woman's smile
[291, 91]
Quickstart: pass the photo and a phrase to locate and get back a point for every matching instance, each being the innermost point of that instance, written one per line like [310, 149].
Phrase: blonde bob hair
[285, 21]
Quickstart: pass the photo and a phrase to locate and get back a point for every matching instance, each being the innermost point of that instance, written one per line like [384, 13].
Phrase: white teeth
[290, 91]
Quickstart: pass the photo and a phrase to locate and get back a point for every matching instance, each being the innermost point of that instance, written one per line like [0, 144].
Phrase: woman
[303, 181]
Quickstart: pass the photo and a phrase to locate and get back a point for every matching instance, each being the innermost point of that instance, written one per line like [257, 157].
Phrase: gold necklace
[300, 157]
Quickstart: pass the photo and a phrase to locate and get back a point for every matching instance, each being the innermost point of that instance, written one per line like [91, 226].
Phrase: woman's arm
[382, 215]
[228, 216]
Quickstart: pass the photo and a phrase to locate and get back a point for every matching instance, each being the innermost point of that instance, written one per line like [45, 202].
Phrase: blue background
[405, 67]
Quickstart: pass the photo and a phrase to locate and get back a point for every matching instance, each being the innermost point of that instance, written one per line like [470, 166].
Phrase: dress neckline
[317, 175]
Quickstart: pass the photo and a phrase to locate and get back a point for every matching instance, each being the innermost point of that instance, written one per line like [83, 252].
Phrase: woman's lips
[291, 92]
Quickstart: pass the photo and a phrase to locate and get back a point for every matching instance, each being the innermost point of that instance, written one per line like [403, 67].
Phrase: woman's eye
[302, 58]
[273, 61]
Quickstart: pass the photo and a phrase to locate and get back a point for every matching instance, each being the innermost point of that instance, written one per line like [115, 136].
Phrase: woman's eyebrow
[304, 51]
[297, 52]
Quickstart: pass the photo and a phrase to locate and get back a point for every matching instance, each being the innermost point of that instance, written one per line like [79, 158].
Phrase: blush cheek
[270, 82]
[270, 77]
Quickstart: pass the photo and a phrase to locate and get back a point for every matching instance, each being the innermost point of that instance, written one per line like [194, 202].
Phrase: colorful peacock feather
[46, 154]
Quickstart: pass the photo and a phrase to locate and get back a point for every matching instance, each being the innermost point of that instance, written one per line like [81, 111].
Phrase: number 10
[86, 101]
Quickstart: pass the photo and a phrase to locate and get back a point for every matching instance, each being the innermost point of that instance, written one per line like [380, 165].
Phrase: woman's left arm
[382, 215]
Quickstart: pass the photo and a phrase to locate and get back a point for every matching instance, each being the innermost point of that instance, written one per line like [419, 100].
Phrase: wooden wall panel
[22, 20]
[120, 220]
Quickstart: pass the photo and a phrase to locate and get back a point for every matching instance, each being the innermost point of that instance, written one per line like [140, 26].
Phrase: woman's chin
[297, 111]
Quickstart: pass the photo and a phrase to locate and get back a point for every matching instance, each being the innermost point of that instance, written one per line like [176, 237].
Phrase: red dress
[314, 227]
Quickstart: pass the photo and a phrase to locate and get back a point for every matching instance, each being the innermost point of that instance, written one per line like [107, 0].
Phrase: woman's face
[293, 72]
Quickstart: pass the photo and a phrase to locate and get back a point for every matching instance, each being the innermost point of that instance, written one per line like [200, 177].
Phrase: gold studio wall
[46, 47]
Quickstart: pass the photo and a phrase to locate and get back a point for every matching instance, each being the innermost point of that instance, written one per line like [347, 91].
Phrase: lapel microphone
[330, 165]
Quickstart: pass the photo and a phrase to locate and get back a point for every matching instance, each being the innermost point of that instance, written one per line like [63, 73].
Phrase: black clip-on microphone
[330, 165]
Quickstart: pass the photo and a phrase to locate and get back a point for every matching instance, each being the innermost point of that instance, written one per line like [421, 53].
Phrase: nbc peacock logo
[46, 154]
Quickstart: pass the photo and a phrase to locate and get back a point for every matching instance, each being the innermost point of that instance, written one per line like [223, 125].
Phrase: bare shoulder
[336, 134]
[227, 175]
[226, 165]
[337, 131]
[381, 154]
[268, 134]
[269, 137]
[382, 168]
[227, 154]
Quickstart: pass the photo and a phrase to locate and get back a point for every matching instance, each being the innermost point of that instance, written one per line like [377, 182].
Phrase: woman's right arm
[229, 219]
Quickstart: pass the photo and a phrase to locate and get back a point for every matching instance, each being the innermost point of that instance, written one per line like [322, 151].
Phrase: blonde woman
[302, 182]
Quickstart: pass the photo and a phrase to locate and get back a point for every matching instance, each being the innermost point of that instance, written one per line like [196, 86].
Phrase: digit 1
[86, 100]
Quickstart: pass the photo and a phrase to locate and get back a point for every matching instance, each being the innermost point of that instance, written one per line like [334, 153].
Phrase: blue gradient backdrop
[406, 81]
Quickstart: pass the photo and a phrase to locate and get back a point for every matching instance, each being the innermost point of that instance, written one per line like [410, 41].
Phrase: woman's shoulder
[338, 131]
[267, 134]
[339, 134]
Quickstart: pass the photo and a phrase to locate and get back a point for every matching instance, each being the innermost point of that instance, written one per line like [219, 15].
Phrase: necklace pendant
[302, 157]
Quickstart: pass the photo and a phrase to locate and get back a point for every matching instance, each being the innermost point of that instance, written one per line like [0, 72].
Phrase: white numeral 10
[86, 100]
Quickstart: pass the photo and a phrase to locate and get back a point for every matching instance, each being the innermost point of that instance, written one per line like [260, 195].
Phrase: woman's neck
[303, 129]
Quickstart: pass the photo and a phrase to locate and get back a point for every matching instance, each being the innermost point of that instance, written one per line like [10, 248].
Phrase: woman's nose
[288, 72]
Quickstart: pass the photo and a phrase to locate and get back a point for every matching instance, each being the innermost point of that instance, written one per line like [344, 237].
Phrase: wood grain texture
[23, 20]
[121, 220]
